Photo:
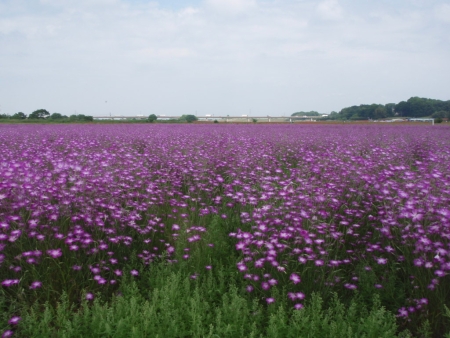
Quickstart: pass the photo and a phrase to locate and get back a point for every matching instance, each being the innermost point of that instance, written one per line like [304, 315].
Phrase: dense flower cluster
[316, 197]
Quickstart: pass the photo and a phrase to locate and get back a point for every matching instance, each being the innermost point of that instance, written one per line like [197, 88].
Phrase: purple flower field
[356, 208]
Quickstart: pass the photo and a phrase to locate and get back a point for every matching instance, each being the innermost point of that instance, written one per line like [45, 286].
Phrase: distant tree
[215, 121]
[379, 113]
[188, 118]
[254, 120]
[152, 118]
[81, 118]
[306, 113]
[56, 116]
[19, 116]
[441, 114]
[4, 116]
[39, 114]
[438, 120]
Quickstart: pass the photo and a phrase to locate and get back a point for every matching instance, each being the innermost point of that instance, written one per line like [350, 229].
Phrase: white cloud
[442, 13]
[68, 54]
[231, 6]
[330, 10]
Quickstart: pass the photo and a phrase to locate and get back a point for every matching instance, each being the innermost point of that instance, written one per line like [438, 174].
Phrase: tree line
[41, 114]
[413, 107]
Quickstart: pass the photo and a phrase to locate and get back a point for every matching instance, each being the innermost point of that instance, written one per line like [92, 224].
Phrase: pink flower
[270, 300]
[295, 278]
[14, 320]
[298, 306]
[7, 333]
[134, 272]
[35, 285]
[56, 253]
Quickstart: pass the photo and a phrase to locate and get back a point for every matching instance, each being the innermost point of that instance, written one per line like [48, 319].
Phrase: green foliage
[152, 118]
[421, 107]
[39, 114]
[441, 114]
[306, 113]
[177, 306]
[19, 116]
[365, 111]
[254, 120]
[57, 116]
[81, 118]
[188, 118]
[215, 121]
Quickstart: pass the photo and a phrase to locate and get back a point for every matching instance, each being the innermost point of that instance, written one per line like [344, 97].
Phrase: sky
[221, 57]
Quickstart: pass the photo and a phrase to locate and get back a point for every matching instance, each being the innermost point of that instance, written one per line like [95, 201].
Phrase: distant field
[192, 230]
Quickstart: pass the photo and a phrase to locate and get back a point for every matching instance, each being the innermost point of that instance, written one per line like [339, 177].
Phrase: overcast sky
[222, 57]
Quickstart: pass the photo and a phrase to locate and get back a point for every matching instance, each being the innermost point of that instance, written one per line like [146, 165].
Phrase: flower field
[275, 216]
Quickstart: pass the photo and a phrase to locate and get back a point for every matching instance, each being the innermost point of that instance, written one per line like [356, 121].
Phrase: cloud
[273, 56]
[442, 13]
[330, 10]
[231, 6]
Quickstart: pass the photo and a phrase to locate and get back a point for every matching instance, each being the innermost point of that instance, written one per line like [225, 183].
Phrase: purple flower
[90, 296]
[318, 262]
[14, 320]
[382, 261]
[56, 253]
[249, 288]
[10, 282]
[298, 306]
[270, 300]
[134, 273]
[7, 333]
[295, 278]
[265, 286]
[35, 285]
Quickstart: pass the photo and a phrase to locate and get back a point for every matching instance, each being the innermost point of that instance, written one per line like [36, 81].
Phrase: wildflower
[350, 286]
[35, 285]
[265, 286]
[249, 288]
[242, 267]
[89, 296]
[7, 333]
[270, 300]
[298, 306]
[134, 272]
[382, 261]
[14, 320]
[10, 282]
[402, 312]
[208, 267]
[56, 253]
[295, 278]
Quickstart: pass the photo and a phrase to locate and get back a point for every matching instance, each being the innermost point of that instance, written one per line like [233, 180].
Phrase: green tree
[19, 116]
[56, 116]
[441, 114]
[188, 118]
[152, 118]
[306, 113]
[39, 114]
